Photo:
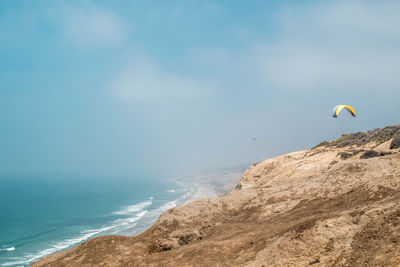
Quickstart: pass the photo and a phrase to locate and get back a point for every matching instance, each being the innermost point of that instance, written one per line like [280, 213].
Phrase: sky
[100, 88]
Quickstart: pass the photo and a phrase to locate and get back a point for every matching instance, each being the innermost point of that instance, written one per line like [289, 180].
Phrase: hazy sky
[168, 87]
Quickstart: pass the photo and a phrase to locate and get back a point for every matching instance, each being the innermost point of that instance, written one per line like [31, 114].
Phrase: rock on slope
[312, 207]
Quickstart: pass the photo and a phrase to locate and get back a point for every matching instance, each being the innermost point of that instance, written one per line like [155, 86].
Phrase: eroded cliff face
[336, 204]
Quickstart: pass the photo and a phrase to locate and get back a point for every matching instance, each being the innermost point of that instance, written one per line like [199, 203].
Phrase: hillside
[337, 204]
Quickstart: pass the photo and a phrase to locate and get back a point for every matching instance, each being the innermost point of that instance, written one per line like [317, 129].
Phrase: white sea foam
[113, 228]
[121, 230]
[122, 222]
[56, 247]
[171, 190]
[166, 206]
[7, 249]
[134, 208]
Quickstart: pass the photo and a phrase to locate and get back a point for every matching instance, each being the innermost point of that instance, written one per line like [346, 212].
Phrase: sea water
[40, 216]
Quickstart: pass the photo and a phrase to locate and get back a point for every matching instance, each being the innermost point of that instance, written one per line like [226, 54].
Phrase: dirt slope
[337, 204]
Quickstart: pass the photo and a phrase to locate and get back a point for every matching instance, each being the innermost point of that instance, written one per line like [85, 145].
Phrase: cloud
[307, 69]
[92, 26]
[340, 45]
[337, 45]
[143, 82]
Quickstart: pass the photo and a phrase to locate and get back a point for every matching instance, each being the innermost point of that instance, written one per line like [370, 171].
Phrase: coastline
[132, 220]
[305, 207]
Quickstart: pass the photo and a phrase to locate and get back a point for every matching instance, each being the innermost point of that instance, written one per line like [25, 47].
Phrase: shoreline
[313, 197]
[194, 187]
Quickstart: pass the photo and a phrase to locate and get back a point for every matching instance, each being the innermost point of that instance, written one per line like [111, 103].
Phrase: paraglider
[339, 108]
[255, 140]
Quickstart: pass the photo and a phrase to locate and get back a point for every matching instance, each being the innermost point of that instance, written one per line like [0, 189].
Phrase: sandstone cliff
[337, 204]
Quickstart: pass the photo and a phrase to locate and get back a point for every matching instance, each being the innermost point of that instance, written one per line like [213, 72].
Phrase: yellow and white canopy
[339, 108]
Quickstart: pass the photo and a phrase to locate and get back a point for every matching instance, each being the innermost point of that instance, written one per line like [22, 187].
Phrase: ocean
[40, 216]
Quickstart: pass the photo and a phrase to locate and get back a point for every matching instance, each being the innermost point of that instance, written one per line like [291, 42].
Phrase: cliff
[337, 204]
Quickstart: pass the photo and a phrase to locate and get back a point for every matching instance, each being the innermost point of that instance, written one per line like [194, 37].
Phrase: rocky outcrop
[376, 136]
[372, 154]
[311, 207]
[396, 142]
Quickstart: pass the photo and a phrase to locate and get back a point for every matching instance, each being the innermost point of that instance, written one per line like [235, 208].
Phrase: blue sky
[171, 87]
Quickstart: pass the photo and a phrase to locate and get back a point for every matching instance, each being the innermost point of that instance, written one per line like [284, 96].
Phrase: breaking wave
[127, 219]
[7, 249]
[135, 208]
[115, 226]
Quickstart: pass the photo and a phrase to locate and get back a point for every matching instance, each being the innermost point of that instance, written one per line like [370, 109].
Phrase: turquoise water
[39, 216]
